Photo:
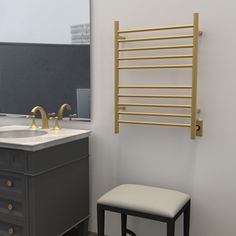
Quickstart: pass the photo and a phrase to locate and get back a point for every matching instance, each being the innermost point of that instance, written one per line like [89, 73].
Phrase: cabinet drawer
[12, 160]
[4, 159]
[53, 157]
[11, 208]
[8, 229]
[11, 185]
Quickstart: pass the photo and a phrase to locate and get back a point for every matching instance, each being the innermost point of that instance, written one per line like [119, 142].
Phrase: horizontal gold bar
[154, 114]
[153, 123]
[154, 105]
[157, 28]
[156, 38]
[153, 96]
[156, 48]
[155, 57]
[122, 37]
[154, 87]
[155, 67]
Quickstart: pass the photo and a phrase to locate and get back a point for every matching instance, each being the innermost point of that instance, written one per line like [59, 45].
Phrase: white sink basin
[25, 138]
[21, 133]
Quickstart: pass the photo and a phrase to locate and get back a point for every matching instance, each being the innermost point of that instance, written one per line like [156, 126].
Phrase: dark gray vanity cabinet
[45, 192]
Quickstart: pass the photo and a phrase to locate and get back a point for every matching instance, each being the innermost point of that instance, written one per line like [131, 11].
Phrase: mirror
[45, 55]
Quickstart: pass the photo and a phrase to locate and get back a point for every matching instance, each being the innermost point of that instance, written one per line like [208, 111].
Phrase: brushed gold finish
[61, 110]
[155, 114]
[116, 74]
[10, 207]
[194, 74]
[122, 37]
[156, 38]
[154, 123]
[154, 87]
[71, 116]
[56, 125]
[9, 184]
[199, 129]
[52, 114]
[43, 115]
[33, 125]
[122, 108]
[155, 57]
[11, 231]
[153, 96]
[155, 105]
[157, 28]
[156, 48]
[195, 125]
[155, 67]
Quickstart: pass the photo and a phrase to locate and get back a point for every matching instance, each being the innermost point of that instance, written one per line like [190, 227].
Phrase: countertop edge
[37, 147]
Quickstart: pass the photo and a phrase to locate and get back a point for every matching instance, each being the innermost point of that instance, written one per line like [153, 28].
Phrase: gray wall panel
[44, 74]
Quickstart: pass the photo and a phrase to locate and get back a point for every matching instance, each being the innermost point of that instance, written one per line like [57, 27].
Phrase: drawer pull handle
[10, 207]
[11, 231]
[9, 184]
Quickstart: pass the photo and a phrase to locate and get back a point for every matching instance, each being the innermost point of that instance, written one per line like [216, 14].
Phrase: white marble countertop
[50, 139]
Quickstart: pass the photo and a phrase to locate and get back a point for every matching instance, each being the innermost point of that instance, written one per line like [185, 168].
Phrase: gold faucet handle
[56, 126]
[51, 115]
[33, 125]
[71, 116]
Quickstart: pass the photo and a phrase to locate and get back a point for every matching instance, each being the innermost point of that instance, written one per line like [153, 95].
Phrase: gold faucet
[56, 126]
[52, 116]
[33, 125]
[61, 110]
[43, 115]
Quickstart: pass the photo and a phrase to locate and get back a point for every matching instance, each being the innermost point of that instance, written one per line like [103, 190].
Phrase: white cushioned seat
[145, 199]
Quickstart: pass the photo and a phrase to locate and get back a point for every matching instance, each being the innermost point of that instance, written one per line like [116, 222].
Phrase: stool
[146, 202]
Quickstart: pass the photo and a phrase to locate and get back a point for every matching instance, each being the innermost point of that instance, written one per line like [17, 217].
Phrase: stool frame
[101, 208]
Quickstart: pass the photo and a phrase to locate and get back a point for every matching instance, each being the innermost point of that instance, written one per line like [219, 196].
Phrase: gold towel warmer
[196, 125]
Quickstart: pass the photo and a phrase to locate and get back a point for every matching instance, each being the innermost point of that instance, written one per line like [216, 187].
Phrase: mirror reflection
[45, 56]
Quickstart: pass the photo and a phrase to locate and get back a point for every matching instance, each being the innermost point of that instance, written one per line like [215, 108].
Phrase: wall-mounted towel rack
[196, 125]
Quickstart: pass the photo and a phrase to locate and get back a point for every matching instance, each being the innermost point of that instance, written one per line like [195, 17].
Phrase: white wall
[41, 21]
[162, 156]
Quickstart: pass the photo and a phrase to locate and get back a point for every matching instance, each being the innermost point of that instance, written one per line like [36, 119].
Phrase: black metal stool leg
[123, 224]
[124, 230]
[187, 220]
[100, 220]
[130, 232]
[171, 228]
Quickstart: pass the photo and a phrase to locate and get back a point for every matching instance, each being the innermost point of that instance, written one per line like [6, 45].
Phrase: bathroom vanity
[44, 181]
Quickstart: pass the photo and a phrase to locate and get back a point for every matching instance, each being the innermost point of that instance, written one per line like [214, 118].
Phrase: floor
[74, 233]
